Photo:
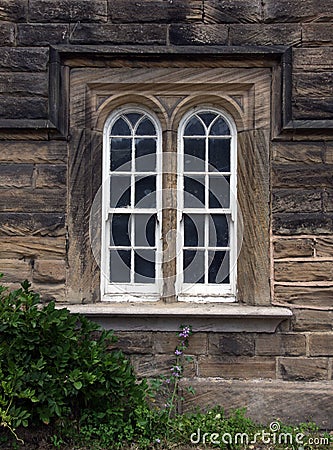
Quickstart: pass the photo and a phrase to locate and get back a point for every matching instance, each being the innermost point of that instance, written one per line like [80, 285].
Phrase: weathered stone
[134, 342]
[328, 153]
[259, 34]
[313, 59]
[321, 344]
[43, 35]
[23, 107]
[167, 342]
[303, 271]
[157, 11]
[118, 34]
[155, 365]
[284, 344]
[32, 224]
[198, 34]
[309, 369]
[319, 296]
[313, 84]
[294, 224]
[49, 176]
[317, 34]
[33, 247]
[296, 200]
[313, 108]
[306, 10]
[49, 271]
[16, 175]
[297, 152]
[24, 59]
[13, 11]
[224, 11]
[324, 247]
[312, 320]
[14, 270]
[7, 34]
[33, 152]
[24, 83]
[265, 401]
[289, 248]
[236, 344]
[328, 200]
[295, 175]
[50, 292]
[68, 11]
[27, 200]
[236, 367]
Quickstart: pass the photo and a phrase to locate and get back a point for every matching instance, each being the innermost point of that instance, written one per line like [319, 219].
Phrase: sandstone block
[289, 248]
[313, 84]
[50, 292]
[134, 342]
[317, 34]
[24, 59]
[15, 270]
[297, 152]
[291, 224]
[296, 175]
[26, 84]
[313, 107]
[313, 59]
[51, 176]
[223, 11]
[259, 34]
[13, 10]
[312, 320]
[49, 271]
[33, 151]
[167, 342]
[32, 247]
[296, 200]
[328, 200]
[284, 344]
[42, 35]
[27, 200]
[235, 344]
[321, 344]
[30, 224]
[306, 10]
[198, 34]
[23, 107]
[150, 366]
[328, 154]
[309, 369]
[303, 271]
[7, 34]
[294, 294]
[68, 10]
[15, 175]
[324, 247]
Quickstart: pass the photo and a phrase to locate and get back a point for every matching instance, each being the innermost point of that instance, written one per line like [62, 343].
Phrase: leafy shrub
[56, 367]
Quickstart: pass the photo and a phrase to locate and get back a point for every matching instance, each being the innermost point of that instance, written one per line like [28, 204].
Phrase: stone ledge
[266, 401]
[217, 317]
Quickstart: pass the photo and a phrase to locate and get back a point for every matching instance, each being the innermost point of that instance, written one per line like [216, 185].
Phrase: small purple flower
[158, 440]
[167, 380]
[178, 352]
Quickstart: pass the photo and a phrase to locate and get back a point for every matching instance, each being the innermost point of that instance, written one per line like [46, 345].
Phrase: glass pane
[194, 195]
[218, 271]
[133, 117]
[146, 128]
[145, 230]
[194, 266]
[145, 192]
[194, 230]
[194, 155]
[219, 192]
[194, 128]
[219, 154]
[218, 230]
[121, 154]
[220, 128]
[207, 117]
[120, 191]
[145, 155]
[144, 266]
[120, 128]
[120, 229]
[120, 264]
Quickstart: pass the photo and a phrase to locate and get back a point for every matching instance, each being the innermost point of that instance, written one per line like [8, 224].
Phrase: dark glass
[120, 128]
[120, 266]
[145, 155]
[220, 128]
[145, 192]
[207, 117]
[194, 155]
[219, 154]
[120, 191]
[219, 192]
[218, 230]
[194, 230]
[133, 117]
[120, 230]
[218, 271]
[144, 266]
[194, 266]
[194, 128]
[194, 195]
[144, 230]
[146, 128]
[121, 154]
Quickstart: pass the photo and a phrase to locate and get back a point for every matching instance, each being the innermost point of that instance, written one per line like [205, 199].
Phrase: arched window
[207, 205]
[131, 204]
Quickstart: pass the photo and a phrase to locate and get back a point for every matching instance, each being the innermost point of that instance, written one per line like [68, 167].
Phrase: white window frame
[130, 291]
[205, 292]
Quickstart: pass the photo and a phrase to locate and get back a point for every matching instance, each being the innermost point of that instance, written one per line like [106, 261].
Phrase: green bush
[56, 367]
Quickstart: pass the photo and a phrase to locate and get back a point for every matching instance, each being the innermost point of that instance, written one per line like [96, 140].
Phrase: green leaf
[77, 385]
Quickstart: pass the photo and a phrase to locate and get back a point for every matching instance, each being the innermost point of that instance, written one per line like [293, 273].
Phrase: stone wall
[295, 361]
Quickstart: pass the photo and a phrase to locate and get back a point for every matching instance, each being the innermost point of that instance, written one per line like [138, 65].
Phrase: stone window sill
[168, 317]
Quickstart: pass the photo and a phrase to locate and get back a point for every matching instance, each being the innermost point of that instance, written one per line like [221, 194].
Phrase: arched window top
[207, 123]
[131, 123]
